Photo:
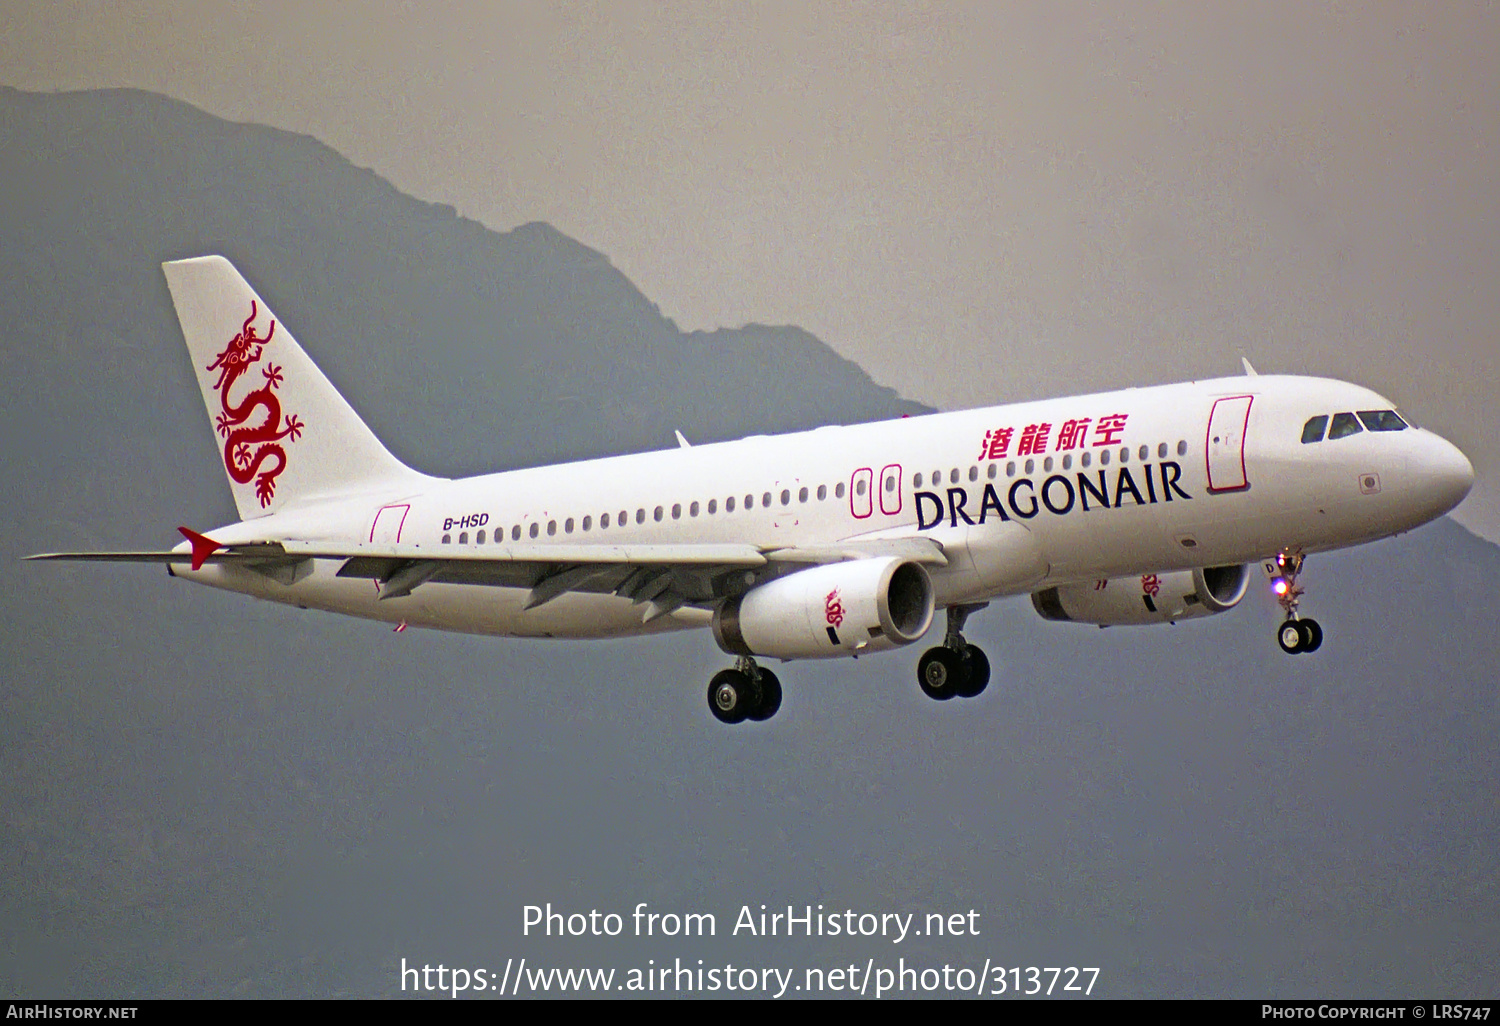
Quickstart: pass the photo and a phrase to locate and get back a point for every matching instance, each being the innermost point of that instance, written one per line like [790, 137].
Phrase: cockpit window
[1343, 424]
[1382, 420]
[1312, 431]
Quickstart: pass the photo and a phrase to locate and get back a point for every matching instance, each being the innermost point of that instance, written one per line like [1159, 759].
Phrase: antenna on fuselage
[1249, 370]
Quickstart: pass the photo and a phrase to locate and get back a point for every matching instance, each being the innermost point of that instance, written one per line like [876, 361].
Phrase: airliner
[1141, 506]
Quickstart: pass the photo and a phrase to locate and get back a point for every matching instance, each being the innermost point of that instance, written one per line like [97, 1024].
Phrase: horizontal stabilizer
[258, 553]
[118, 557]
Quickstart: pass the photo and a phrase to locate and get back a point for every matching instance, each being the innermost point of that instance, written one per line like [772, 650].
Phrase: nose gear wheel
[1296, 635]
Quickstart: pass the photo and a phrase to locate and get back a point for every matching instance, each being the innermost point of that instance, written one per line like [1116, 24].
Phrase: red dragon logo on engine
[833, 609]
[247, 447]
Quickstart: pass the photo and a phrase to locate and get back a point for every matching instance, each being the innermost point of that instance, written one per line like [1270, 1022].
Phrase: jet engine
[839, 609]
[1150, 598]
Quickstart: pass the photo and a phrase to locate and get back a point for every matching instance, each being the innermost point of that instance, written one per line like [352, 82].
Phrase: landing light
[1279, 586]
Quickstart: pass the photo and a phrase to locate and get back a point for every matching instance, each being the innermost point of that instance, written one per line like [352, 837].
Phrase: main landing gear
[955, 667]
[1295, 635]
[747, 692]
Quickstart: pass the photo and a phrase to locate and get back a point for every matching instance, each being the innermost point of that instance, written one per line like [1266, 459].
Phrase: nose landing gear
[1295, 635]
[954, 668]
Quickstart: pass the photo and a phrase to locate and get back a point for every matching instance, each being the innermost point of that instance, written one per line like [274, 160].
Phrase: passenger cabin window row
[766, 500]
[786, 496]
[804, 494]
[1049, 464]
[1343, 425]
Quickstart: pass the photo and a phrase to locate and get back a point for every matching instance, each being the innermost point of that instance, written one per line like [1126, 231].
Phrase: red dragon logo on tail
[247, 447]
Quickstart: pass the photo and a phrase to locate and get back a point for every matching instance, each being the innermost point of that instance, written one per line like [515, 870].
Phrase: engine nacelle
[1150, 598]
[839, 609]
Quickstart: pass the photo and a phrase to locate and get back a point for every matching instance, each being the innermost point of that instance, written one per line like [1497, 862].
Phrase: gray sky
[978, 203]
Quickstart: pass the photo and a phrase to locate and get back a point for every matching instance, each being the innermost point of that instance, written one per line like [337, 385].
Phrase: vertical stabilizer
[285, 434]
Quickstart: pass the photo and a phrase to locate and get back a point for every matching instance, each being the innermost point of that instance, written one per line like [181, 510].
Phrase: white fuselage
[1200, 474]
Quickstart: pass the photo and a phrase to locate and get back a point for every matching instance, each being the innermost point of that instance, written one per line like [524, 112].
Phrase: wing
[659, 577]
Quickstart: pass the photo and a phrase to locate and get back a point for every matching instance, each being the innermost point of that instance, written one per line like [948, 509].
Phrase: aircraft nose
[1449, 474]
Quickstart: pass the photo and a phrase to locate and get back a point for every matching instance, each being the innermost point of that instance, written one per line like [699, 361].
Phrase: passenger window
[729, 504]
[536, 529]
[604, 520]
[1382, 420]
[1124, 455]
[1010, 469]
[1182, 447]
[640, 516]
[859, 487]
[916, 481]
[657, 515]
[973, 475]
[479, 538]
[838, 490]
[994, 469]
[713, 506]
[624, 518]
[1030, 466]
[802, 495]
[1068, 462]
[588, 522]
[676, 511]
[1104, 458]
[1161, 451]
[749, 502]
[463, 537]
[515, 533]
[1047, 464]
[551, 527]
[765, 500]
[568, 526]
[953, 476]
[1145, 453]
[1312, 431]
[1084, 459]
[1344, 424]
[786, 497]
[447, 539]
[823, 491]
[693, 510]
